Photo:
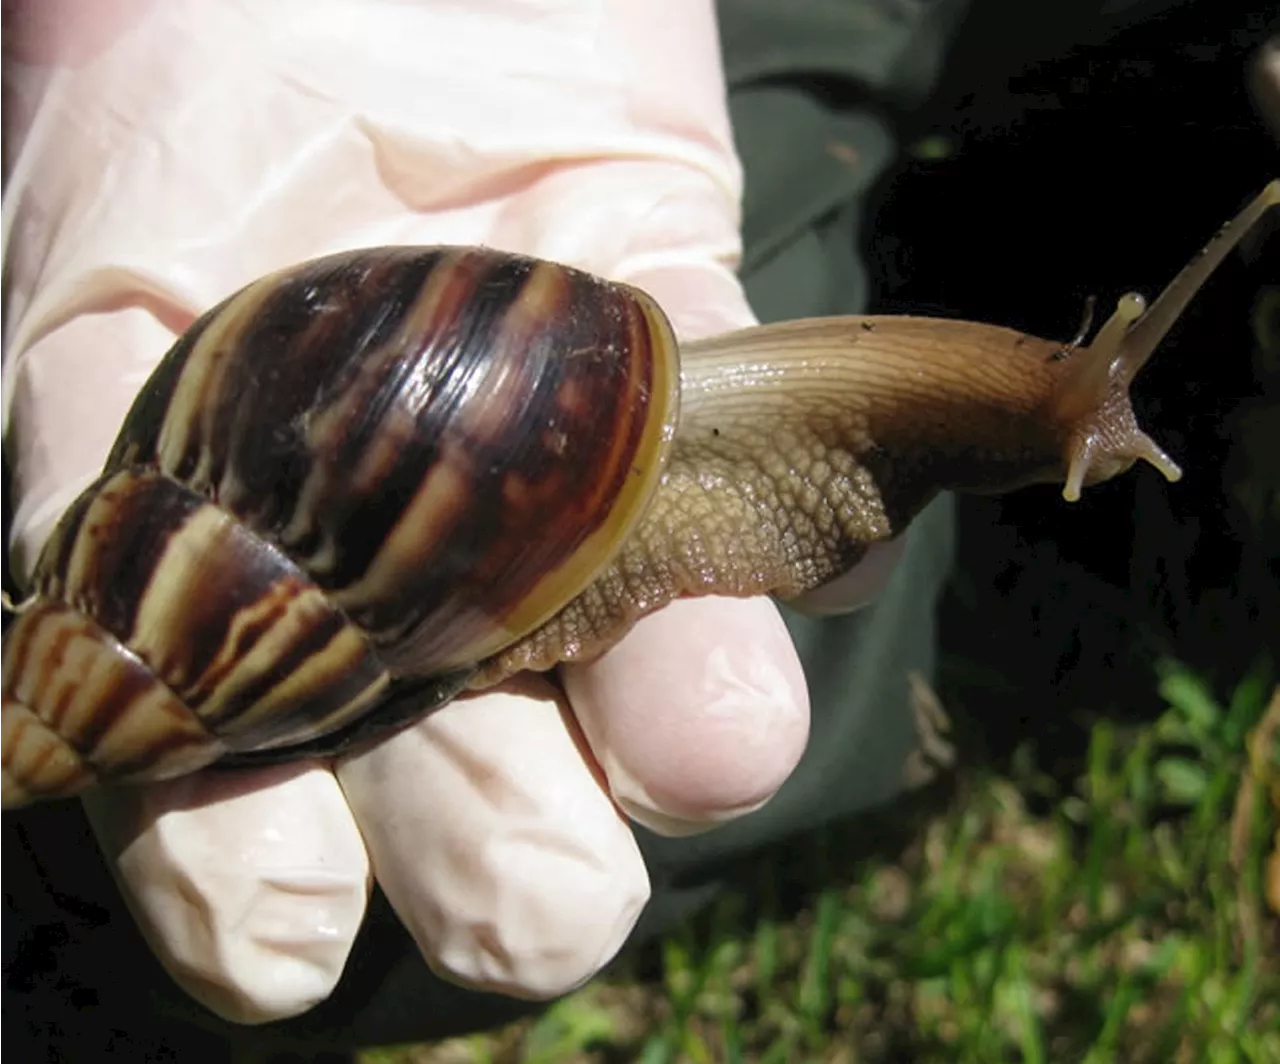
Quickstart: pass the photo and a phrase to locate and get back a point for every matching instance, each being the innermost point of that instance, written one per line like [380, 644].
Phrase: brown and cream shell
[340, 490]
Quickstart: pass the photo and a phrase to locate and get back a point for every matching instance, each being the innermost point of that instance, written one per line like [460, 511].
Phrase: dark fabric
[811, 82]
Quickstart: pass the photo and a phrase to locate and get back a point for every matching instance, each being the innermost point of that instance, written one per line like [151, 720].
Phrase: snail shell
[362, 484]
[340, 490]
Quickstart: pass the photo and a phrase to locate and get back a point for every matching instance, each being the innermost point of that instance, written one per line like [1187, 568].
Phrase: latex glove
[169, 153]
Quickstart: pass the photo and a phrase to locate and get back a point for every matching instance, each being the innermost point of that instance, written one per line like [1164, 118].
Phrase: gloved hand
[164, 154]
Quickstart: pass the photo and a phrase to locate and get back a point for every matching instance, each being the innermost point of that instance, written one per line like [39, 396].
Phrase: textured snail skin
[363, 484]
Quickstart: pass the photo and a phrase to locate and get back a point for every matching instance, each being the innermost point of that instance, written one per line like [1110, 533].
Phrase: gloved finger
[492, 835]
[249, 886]
[699, 715]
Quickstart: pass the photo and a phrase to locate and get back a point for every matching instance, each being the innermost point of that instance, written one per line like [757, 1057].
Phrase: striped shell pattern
[340, 490]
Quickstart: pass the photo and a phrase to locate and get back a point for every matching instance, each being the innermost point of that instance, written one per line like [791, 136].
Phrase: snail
[365, 484]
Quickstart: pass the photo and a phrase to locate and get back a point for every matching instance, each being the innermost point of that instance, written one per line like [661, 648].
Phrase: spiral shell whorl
[165, 634]
[78, 705]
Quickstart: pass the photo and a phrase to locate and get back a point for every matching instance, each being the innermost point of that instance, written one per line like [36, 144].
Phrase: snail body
[365, 484]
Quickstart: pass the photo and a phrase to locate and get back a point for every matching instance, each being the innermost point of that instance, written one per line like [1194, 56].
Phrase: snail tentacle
[1082, 333]
[1110, 440]
[1143, 336]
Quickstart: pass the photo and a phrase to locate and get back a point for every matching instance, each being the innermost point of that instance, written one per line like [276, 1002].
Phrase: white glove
[168, 153]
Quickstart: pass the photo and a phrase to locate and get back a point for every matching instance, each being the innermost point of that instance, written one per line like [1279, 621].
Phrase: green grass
[1121, 917]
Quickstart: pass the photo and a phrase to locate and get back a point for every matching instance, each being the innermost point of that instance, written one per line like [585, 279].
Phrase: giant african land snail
[363, 484]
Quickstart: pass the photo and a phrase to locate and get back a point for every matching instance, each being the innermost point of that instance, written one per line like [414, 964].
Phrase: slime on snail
[367, 483]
